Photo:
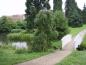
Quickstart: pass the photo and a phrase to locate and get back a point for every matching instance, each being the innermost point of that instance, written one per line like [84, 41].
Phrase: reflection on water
[17, 45]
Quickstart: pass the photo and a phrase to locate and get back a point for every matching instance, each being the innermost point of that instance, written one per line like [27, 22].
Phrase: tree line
[44, 24]
[75, 16]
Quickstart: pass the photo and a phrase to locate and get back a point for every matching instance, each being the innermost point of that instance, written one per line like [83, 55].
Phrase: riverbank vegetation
[9, 56]
[42, 29]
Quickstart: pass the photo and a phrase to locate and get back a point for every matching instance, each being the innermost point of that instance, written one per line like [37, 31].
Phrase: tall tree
[30, 14]
[33, 7]
[57, 5]
[72, 12]
[84, 14]
[44, 24]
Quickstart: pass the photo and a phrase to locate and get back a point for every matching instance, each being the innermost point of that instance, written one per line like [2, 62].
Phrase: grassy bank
[76, 58]
[75, 31]
[9, 57]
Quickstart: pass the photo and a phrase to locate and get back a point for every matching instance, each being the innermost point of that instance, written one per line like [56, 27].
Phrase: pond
[4, 40]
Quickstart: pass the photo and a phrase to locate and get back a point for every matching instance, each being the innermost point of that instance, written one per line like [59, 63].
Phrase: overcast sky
[13, 7]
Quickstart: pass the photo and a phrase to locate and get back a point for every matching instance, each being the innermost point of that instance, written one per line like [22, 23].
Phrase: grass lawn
[9, 57]
[76, 58]
[75, 31]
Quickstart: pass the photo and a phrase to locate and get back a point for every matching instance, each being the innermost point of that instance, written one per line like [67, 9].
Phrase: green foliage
[41, 42]
[6, 46]
[60, 24]
[84, 14]
[57, 5]
[20, 25]
[56, 44]
[44, 26]
[44, 22]
[53, 35]
[33, 7]
[75, 21]
[6, 24]
[20, 37]
[73, 13]
[83, 45]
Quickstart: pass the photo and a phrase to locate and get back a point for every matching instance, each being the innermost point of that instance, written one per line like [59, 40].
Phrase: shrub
[40, 42]
[83, 45]
[21, 25]
[19, 37]
[53, 35]
[60, 24]
[6, 24]
[6, 46]
[56, 44]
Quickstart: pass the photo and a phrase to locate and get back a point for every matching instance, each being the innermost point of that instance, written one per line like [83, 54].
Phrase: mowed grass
[9, 57]
[75, 31]
[76, 58]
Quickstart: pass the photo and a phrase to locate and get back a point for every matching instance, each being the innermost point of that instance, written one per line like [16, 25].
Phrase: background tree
[72, 12]
[84, 14]
[30, 14]
[57, 5]
[6, 24]
[33, 7]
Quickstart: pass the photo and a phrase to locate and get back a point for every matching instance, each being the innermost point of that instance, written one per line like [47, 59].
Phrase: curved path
[52, 58]
[55, 57]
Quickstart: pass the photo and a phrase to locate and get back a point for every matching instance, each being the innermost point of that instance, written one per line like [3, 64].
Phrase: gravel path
[52, 58]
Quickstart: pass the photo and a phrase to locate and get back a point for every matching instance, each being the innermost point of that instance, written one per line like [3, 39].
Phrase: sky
[13, 7]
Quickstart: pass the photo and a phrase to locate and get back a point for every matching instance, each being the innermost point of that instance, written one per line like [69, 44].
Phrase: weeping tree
[84, 14]
[72, 12]
[57, 5]
[33, 7]
[44, 24]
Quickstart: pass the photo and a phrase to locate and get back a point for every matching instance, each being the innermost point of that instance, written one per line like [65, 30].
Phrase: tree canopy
[57, 5]
[72, 12]
[33, 7]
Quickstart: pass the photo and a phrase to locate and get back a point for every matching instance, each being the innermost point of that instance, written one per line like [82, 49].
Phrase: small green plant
[56, 44]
